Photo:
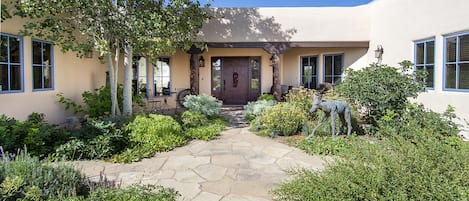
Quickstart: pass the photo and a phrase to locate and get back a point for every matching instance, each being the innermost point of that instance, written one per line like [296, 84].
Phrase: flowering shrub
[283, 119]
[254, 109]
[300, 97]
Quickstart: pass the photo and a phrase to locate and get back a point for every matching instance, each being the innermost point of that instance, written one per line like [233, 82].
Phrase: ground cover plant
[395, 169]
[198, 126]
[27, 178]
[151, 134]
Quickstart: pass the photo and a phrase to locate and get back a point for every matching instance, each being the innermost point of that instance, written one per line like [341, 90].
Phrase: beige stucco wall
[72, 76]
[288, 24]
[396, 24]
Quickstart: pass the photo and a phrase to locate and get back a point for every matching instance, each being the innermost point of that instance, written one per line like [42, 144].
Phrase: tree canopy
[144, 27]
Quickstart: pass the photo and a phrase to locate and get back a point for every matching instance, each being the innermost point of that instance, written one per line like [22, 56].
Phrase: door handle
[224, 85]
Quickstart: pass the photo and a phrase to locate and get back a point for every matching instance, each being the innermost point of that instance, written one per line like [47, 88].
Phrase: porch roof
[280, 47]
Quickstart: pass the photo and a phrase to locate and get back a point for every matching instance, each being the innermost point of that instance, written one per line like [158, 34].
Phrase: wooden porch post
[194, 66]
[277, 91]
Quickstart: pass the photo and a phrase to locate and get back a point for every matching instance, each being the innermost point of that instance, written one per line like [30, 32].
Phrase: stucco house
[309, 45]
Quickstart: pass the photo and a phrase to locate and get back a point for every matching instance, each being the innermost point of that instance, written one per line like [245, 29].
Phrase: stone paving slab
[237, 166]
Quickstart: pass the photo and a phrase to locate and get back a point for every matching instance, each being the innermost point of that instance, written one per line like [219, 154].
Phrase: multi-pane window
[162, 76]
[457, 61]
[425, 60]
[43, 65]
[216, 77]
[333, 68]
[255, 75]
[139, 72]
[11, 63]
[309, 72]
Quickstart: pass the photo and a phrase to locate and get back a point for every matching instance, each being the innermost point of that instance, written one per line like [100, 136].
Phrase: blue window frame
[43, 65]
[425, 60]
[333, 68]
[11, 63]
[456, 62]
[162, 76]
[309, 72]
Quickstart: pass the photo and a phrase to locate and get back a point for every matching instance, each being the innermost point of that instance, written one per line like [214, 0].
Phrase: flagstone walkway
[239, 165]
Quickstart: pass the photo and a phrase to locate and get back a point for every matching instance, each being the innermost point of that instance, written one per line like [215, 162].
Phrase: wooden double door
[236, 80]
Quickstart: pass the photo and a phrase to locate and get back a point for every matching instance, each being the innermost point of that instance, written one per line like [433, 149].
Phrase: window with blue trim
[11, 75]
[309, 73]
[425, 60]
[457, 62]
[162, 76]
[43, 65]
[333, 68]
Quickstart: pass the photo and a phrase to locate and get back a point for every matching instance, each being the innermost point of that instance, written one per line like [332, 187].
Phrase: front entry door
[235, 84]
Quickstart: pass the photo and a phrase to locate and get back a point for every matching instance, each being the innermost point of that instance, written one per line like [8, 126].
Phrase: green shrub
[205, 104]
[283, 119]
[207, 132]
[254, 109]
[151, 134]
[266, 97]
[135, 193]
[193, 119]
[395, 169]
[39, 137]
[26, 177]
[379, 88]
[415, 122]
[97, 139]
[97, 103]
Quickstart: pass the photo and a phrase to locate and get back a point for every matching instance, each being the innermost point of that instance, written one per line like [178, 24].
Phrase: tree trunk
[112, 84]
[277, 91]
[127, 102]
[194, 66]
[113, 74]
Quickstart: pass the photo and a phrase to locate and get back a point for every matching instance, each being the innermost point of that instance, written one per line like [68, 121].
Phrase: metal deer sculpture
[332, 108]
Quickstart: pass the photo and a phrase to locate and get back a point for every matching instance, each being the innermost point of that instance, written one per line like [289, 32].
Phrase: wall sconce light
[201, 61]
[379, 52]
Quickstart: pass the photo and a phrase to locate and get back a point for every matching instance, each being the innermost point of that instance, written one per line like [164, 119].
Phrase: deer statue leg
[348, 119]
[342, 123]
[320, 123]
[333, 114]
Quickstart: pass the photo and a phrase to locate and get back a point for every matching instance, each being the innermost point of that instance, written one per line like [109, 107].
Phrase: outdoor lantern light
[379, 52]
[272, 60]
[201, 61]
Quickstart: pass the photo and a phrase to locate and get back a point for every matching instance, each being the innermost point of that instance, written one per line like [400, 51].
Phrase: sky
[285, 3]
